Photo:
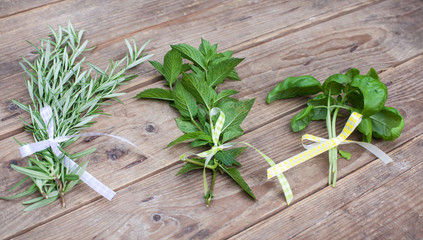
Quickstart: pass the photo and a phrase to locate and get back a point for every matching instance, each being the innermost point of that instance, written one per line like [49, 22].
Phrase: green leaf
[294, 86]
[335, 84]
[186, 126]
[82, 153]
[156, 93]
[372, 73]
[365, 127]
[190, 136]
[71, 177]
[199, 89]
[191, 53]
[319, 110]
[345, 155]
[225, 158]
[370, 95]
[225, 93]
[30, 191]
[159, 67]
[235, 152]
[232, 133]
[302, 119]
[387, 124]
[187, 168]
[350, 74]
[185, 102]
[41, 203]
[31, 172]
[236, 176]
[197, 143]
[217, 73]
[172, 66]
[233, 75]
[235, 112]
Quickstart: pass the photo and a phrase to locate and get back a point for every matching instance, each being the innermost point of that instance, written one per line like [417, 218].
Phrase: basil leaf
[350, 74]
[236, 176]
[319, 103]
[184, 102]
[372, 73]
[302, 119]
[387, 124]
[345, 155]
[294, 86]
[156, 93]
[370, 94]
[191, 53]
[365, 127]
[335, 84]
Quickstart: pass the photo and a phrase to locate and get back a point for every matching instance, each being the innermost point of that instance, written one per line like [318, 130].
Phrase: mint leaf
[159, 67]
[225, 93]
[345, 155]
[191, 53]
[236, 176]
[232, 133]
[199, 89]
[172, 66]
[225, 158]
[198, 142]
[156, 93]
[235, 152]
[190, 136]
[186, 126]
[220, 71]
[185, 102]
[188, 167]
[235, 112]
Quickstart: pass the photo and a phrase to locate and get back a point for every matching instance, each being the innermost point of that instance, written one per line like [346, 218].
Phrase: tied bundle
[65, 99]
[209, 117]
[363, 97]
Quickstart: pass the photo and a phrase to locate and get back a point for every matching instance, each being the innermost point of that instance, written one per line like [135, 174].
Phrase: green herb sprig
[364, 94]
[57, 78]
[193, 91]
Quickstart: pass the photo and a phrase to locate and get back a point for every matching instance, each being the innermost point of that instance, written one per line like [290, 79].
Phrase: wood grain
[268, 18]
[290, 38]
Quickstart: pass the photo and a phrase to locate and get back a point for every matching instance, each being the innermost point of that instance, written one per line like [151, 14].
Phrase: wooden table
[278, 39]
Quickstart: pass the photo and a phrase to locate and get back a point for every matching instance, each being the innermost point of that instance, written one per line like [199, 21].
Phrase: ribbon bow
[216, 131]
[323, 145]
[52, 142]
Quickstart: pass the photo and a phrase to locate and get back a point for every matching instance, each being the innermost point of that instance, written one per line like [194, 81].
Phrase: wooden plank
[138, 121]
[163, 206]
[375, 202]
[10, 7]
[166, 206]
[255, 23]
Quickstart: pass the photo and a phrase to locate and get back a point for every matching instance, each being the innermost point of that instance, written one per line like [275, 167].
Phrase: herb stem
[212, 167]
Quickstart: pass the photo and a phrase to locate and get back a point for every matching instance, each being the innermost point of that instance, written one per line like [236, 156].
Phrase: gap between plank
[339, 179]
[257, 41]
[30, 9]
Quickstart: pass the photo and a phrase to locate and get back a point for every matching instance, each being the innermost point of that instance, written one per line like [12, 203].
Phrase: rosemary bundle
[57, 80]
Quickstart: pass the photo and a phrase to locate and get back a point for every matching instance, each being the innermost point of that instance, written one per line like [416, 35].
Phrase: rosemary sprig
[57, 78]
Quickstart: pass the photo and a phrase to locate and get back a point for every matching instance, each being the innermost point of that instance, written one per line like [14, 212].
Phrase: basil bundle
[364, 94]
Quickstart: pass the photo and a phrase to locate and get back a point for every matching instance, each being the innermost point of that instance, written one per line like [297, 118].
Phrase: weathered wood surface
[278, 39]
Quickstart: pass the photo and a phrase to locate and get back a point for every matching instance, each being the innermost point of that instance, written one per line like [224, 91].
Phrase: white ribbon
[26, 150]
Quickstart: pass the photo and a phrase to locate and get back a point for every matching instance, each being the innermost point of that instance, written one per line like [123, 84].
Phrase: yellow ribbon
[216, 131]
[324, 145]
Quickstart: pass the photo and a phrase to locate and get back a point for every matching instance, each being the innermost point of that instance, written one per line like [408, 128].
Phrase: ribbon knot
[52, 142]
[323, 145]
[216, 131]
